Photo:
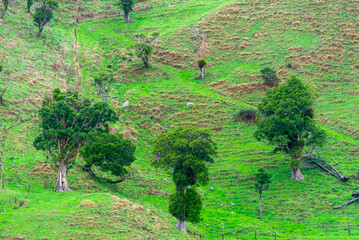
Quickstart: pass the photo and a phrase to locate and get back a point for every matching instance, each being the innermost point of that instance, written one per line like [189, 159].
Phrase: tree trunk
[126, 16]
[4, 12]
[62, 179]
[145, 62]
[181, 225]
[40, 31]
[297, 175]
[260, 204]
[202, 73]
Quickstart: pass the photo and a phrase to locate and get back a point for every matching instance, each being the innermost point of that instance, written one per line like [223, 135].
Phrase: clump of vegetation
[6, 5]
[246, 115]
[87, 204]
[144, 47]
[269, 76]
[103, 83]
[288, 121]
[111, 153]
[68, 121]
[187, 152]
[127, 7]
[261, 184]
[43, 14]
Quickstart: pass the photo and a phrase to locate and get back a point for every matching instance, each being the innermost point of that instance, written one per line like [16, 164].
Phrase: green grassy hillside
[316, 40]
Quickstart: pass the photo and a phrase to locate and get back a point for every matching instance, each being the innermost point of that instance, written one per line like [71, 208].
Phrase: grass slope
[317, 41]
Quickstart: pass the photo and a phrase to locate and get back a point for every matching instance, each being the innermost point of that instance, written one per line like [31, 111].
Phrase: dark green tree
[5, 7]
[263, 180]
[288, 121]
[187, 152]
[144, 47]
[43, 14]
[269, 76]
[103, 83]
[111, 153]
[127, 7]
[67, 122]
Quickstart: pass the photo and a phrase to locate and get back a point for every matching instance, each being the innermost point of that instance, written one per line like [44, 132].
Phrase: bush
[246, 115]
[269, 76]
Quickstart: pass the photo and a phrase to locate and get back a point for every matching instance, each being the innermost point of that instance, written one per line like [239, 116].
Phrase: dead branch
[123, 177]
[347, 203]
[336, 163]
[321, 163]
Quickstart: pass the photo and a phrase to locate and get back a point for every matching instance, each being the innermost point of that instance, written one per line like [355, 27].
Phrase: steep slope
[317, 41]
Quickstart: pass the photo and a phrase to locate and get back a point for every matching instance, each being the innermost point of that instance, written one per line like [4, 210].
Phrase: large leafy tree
[111, 153]
[263, 179]
[288, 121]
[187, 152]
[67, 122]
[43, 13]
[127, 8]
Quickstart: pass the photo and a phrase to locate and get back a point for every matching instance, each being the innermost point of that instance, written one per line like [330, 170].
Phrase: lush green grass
[294, 37]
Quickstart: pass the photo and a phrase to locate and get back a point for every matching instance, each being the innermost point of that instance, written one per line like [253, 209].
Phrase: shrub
[246, 115]
[88, 204]
[269, 76]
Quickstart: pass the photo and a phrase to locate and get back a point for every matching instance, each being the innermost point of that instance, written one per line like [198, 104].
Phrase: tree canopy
[110, 152]
[288, 120]
[68, 120]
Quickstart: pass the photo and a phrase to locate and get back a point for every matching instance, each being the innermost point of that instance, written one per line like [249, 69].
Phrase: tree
[127, 7]
[144, 47]
[262, 184]
[201, 63]
[103, 83]
[187, 152]
[43, 14]
[288, 121]
[111, 153]
[6, 5]
[2, 91]
[68, 120]
[269, 76]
